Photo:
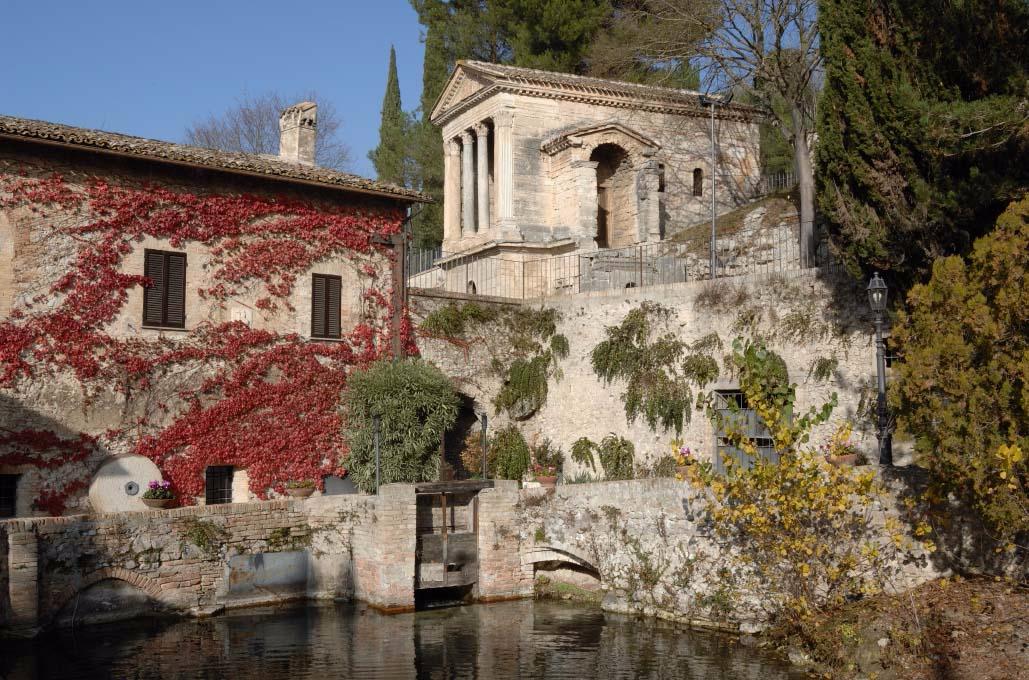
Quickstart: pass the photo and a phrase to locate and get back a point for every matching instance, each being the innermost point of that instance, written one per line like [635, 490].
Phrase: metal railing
[742, 252]
[776, 182]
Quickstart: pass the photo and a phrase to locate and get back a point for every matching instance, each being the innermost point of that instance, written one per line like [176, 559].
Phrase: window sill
[312, 338]
[164, 328]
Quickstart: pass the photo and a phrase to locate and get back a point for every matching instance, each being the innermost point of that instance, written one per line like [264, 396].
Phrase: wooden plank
[458, 486]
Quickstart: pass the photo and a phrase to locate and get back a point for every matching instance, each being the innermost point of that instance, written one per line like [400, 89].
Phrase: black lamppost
[376, 430]
[877, 293]
[484, 421]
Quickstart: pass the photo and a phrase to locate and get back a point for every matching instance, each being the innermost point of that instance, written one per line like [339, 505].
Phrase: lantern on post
[877, 298]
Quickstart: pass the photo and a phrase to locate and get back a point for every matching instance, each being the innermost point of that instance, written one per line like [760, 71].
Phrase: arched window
[471, 288]
[698, 182]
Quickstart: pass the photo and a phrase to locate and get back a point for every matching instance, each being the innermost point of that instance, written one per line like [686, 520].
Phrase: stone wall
[199, 559]
[33, 256]
[804, 317]
[653, 550]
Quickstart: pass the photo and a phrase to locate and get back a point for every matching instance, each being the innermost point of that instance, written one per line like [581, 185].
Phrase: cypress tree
[390, 157]
[921, 132]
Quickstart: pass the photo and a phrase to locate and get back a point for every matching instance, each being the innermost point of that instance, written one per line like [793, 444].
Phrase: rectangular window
[8, 495]
[164, 300]
[737, 416]
[219, 484]
[326, 301]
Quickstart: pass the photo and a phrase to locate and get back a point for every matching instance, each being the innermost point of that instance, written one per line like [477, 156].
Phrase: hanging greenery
[657, 367]
[526, 359]
[416, 403]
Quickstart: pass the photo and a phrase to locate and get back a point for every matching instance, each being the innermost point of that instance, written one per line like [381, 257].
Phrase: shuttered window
[326, 299]
[8, 495]
[218, 480]
[164, 300]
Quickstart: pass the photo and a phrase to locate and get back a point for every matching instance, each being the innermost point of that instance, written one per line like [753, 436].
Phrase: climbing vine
[222, 392]
[658, 368]
[527, 359]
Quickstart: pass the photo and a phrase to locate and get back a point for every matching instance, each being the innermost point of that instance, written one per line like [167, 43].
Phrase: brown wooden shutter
[153, 295]
[175, 310]
[318, 306]
[334, 287]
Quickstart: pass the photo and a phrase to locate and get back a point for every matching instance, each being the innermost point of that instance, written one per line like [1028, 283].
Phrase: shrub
[617, 456]
[547, 458]
[454, 320]
[509, 454]
[963, 386]
[582, 453]
[805, 529]
[417, 404]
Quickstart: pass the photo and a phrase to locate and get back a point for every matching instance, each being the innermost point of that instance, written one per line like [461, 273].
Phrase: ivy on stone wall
[659, 370]
[525, 349]
[220, 393]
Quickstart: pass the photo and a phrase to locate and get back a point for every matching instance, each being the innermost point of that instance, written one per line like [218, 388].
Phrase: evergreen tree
[426, 140]
[922, 133]
[390, 157]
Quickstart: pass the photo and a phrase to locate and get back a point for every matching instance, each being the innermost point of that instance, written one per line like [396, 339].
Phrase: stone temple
[541, 164]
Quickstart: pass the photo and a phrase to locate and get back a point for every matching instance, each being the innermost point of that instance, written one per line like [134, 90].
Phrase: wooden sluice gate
[447, 553]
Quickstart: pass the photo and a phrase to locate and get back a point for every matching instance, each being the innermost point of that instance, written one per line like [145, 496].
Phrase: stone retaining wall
[198, 559]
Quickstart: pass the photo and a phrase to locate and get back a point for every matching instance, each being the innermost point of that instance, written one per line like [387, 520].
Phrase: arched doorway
[615, 206]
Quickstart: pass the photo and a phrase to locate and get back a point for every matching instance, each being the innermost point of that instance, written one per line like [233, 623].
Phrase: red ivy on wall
[223, 393]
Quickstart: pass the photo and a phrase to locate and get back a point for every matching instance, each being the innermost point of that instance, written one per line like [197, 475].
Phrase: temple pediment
[462, 86]
[473, 81]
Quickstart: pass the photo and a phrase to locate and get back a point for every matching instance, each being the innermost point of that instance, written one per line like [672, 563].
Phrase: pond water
[523, 639]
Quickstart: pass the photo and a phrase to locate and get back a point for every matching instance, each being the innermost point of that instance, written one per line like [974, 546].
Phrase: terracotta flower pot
[849, 459]
[548, 481]
[302, 492]
[156, 502]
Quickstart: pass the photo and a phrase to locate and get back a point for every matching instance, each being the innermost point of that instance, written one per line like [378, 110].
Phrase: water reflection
[505, 640]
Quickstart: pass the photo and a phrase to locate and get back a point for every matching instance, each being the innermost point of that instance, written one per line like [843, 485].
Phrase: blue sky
[152, 68]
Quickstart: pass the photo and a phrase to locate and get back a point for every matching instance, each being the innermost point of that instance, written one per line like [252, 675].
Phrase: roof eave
[403, 198]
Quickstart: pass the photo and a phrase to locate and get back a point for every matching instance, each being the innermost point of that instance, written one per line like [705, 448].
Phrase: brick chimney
[297, 128]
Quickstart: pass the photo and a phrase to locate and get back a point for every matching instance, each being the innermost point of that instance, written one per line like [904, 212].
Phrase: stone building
[331, 291]
[539, 164]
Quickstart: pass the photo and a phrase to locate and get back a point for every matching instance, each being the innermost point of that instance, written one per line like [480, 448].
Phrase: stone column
[467, 185]
[503, 173]
[451, 192]
[585, 186]
[482, 175]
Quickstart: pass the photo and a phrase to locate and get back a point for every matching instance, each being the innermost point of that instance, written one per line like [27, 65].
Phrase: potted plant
[158, 494]
[546, 459]
[683, 459]
[300, 488]
[839, 450]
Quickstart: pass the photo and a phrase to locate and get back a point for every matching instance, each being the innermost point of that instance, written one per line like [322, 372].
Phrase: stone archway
[66, 600]
[610, 182]
[616, 215]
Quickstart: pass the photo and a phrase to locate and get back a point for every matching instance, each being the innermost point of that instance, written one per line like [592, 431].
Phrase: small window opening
[698, 182]
[218, 484]
[8, 495]
[471, 288]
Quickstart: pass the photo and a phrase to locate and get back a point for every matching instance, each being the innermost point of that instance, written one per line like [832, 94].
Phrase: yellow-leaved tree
[804, 534]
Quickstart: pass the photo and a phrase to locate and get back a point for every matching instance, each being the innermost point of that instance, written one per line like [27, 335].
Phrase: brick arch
[547, 553]
[150, 586]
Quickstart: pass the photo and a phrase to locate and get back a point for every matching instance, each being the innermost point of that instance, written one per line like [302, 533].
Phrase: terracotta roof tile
[250, 164]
